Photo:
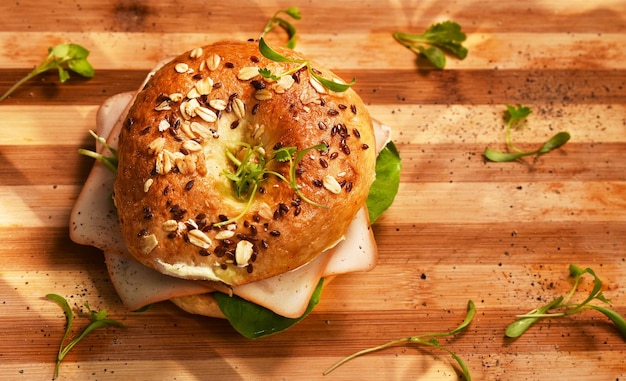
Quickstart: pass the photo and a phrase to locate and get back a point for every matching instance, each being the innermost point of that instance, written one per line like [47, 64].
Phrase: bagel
[185, 137]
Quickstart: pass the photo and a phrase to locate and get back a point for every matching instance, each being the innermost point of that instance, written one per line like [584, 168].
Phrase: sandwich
[236, 185]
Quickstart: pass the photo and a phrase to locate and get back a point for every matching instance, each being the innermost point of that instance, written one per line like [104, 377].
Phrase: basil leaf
[254, 321]
[385, 187]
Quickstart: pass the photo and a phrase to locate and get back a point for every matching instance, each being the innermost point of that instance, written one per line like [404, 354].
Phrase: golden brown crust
[171, 188]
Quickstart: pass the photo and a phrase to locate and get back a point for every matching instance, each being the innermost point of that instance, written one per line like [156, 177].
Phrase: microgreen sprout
[63, 57]
[110, 161]
[276, 20]
[440, 38]
[564, 308]
[429, 339]
[273, 55]
[514, 116]
[289, 154]
[251, 170]
[98, 320]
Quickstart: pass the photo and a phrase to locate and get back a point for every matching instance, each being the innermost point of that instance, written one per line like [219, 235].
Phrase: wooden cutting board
[499, 234]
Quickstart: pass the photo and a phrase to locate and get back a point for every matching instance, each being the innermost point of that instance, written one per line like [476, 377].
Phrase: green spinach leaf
[254, 321]
[385, 187]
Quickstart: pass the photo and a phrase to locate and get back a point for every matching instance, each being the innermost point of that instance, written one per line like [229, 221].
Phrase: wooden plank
[500, 234]
[108, 51]
[380, 86]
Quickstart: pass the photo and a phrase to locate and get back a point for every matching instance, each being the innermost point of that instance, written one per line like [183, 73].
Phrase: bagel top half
[172, 191]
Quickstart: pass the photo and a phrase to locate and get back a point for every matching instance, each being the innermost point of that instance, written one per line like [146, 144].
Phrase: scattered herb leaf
[110, 161]
[428, 339]
[273, 55]
[440, 38]
[62, 57]
[515, 115]
[98, 320]
[254, 321]
[565, 308]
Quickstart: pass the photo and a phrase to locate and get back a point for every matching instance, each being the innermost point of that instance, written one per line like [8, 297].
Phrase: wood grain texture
[501, 235]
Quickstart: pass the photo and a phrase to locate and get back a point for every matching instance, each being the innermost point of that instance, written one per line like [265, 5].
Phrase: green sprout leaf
[428, 339]
[273, 55]
[284, 154]
[554, 142]
[62, 57]
[110, 161]
[514, 116]
[276, 20]
[518, 327]
[518, 113]
[294, 12]
[332, 85]
[433, 55]
[614, 316]
[438, 39]
[563, 307]
[98, 320]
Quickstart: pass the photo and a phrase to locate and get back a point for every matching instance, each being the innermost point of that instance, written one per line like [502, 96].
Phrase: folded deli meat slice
[94, 222]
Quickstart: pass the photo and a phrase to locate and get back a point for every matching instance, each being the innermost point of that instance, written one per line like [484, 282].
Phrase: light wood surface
[501, 235]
